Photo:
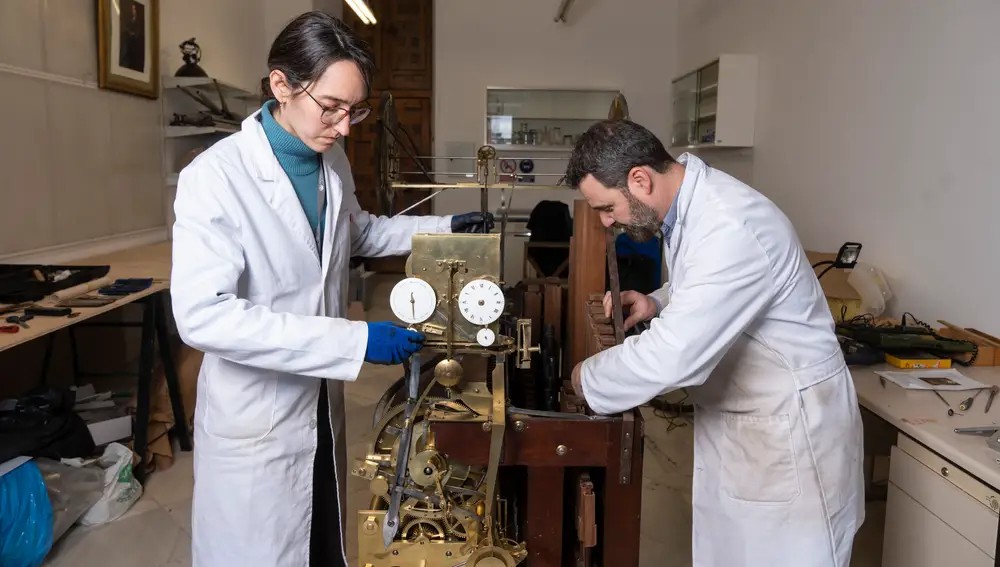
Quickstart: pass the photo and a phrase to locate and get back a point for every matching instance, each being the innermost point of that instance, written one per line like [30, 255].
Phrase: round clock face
[486, 337]
[481, 302]
[413, 300]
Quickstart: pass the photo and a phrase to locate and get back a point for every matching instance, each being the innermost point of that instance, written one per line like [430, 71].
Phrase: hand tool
[15, 307]
[938, 394]
[989, 401]
[20, 320]
[48, 311]
[981, 430]
[967, 402]
[9, 329]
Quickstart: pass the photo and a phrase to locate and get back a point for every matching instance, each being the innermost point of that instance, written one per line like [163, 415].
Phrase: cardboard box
[843, 299]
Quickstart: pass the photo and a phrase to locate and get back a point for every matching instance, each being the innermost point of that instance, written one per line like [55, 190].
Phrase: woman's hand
[640, 307]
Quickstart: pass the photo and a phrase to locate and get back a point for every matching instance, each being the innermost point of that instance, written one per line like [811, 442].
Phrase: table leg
[545, 516]
[170, 373]
[147, 352]
[622, 502]
[74, 354]
[50, 343]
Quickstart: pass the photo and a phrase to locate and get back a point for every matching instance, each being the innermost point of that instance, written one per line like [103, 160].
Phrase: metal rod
[475, 186]
[549, 158]
[418, 203]
[438, 173]
[446, 157]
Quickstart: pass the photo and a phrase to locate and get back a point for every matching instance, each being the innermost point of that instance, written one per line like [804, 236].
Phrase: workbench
[153, 261]
[944, 488]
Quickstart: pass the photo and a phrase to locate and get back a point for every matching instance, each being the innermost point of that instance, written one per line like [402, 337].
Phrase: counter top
[922, 416]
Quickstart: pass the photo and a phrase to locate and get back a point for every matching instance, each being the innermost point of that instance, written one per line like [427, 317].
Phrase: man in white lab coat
[744, 324]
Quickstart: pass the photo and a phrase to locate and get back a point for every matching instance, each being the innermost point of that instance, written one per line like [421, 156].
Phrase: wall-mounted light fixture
[362, 10]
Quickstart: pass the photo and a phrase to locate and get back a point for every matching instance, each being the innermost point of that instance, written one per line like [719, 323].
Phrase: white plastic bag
[121, 489]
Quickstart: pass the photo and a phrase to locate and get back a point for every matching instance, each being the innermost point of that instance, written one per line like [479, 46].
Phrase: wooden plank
[622, 502]
[537, 445]
[545, 516]
[587, 274]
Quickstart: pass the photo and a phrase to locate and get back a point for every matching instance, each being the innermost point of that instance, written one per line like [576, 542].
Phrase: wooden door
[401, 42]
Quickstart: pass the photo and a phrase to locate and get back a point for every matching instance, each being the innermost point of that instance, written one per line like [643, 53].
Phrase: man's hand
[640, 307]
[577, 378]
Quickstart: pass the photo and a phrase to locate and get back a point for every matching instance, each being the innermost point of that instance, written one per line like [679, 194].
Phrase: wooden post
[588, 269]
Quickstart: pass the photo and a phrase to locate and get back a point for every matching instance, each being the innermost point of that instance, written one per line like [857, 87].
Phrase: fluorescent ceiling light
[364, 13]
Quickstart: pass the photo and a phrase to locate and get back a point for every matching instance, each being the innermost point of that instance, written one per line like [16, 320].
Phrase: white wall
[619, 44]
[877, 122]
[228, 31]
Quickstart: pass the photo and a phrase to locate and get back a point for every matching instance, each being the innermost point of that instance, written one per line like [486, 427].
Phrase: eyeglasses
[333, 115]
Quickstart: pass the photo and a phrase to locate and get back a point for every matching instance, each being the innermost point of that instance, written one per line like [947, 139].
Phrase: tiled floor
[157, 531]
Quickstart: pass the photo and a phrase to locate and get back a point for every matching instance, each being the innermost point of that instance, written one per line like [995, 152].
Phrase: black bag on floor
[44, 425]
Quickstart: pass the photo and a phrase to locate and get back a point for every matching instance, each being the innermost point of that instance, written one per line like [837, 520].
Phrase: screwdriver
[967, 403]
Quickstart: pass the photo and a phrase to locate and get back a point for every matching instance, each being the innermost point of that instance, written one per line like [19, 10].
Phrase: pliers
[20, 320]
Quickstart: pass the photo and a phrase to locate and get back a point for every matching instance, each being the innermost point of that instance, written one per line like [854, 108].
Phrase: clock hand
[413, 305]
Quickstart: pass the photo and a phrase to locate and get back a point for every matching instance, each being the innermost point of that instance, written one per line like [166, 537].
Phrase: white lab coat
[250, 290]
[778, 439]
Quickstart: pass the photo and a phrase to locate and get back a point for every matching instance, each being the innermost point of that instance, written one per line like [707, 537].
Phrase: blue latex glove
[389, 343]
[472, 223]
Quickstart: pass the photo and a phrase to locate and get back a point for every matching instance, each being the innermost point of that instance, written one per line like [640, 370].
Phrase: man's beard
[644, 225]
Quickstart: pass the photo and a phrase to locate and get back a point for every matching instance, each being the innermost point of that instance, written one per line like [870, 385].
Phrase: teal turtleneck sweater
[300, 163]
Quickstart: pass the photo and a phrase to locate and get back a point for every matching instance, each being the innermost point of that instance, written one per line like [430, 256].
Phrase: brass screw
[487, 426]
[561, 450]
[519, 426]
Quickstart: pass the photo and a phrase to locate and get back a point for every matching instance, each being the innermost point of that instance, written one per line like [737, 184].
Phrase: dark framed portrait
[128, 41]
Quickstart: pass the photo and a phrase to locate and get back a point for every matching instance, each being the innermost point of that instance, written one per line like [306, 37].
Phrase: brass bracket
[524, 348]
[497, 424]
[625, 456]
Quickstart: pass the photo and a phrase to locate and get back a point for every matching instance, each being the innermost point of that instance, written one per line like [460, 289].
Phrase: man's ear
[639, 181]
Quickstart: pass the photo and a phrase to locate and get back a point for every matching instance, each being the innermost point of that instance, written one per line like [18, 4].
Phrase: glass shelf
[543, 119]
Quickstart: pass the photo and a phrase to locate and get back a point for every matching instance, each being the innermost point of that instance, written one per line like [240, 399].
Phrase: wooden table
[921, 416]
[151, 261]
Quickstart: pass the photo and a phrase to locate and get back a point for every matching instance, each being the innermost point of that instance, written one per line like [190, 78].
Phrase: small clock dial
[413, 300]
[481, 302]
[486, 337]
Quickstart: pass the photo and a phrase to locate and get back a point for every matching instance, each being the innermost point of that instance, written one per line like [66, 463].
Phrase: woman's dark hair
[309, 44]
[610, 149]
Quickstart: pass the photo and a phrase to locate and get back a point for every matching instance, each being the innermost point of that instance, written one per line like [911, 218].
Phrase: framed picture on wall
[128, 44]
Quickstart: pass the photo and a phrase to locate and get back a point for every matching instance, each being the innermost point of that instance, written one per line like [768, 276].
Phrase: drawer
[914, 537]
[947, 493]
[948, 471]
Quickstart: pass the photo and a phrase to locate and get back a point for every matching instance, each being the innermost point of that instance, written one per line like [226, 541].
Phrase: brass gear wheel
[428, 529]
[491, 557]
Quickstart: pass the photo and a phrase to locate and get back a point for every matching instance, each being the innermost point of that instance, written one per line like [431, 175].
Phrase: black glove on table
[472, 223]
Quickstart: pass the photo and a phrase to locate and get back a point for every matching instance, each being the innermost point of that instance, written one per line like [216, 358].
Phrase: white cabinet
[936, 514]
[715, 105]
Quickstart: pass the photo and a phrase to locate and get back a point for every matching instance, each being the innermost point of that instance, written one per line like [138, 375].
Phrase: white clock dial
[486, 337]
[481, 302]
[413, 300]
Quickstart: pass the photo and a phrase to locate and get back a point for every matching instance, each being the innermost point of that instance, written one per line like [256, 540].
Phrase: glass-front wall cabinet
[542, 119]
[696, 97]
[716, 104]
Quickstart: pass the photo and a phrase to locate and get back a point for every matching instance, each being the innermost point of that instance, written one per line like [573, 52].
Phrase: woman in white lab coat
[744, 325]
[266, 222]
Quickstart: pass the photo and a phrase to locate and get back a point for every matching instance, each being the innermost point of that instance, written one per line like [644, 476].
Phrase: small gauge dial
[413, 300]
[481, 302]
[486, 337]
